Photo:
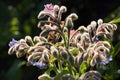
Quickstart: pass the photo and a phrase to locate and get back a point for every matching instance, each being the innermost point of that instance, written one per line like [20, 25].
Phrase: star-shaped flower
[13, 42]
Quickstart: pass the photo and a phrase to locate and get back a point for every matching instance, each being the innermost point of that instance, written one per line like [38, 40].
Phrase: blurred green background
[18, 18]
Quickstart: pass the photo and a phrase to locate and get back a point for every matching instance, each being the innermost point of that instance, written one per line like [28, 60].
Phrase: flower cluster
[62, 49]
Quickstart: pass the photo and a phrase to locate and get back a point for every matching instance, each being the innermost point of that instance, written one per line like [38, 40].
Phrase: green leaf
[74, 51]
[116, 49]
[58, 44]
[62, 73]
[15, 72]
[52, 59]
[83, 67]
[115, 21]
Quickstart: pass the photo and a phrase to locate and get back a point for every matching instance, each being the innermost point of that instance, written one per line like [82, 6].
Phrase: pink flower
[72, 32]
[49, 7]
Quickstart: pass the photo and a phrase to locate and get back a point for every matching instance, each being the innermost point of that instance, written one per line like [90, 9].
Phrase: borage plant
[71, 54]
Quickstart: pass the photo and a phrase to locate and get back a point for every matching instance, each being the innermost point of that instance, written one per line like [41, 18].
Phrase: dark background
[18, 18]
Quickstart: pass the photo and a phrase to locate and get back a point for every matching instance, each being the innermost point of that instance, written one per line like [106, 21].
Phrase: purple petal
[38, 64]
[49, 7]
[13, 42]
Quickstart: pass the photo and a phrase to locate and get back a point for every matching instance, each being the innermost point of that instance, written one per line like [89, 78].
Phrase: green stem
[68, 39]
[60, 65]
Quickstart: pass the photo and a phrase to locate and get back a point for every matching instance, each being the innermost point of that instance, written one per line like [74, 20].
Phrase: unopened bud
[73, 16]
[11, 50]
[71, 59]
[82, 29]
[45, 56]
[41, 15]
[93, 23]
[63, 9]
[85, 56]
[64, 55]
[56, 7]
[94, 59]
[20, 53]
[28, 39]
[31, 49]
[54, 51]
[36, 39]
[22, 41]
[100, 21]
[69, 23]
[90, 75]
[79, 59]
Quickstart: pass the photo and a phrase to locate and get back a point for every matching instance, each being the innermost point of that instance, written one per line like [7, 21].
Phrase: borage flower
[13, 42]
[48, 10]
[106, 61]
[49, 7]
[38, 64]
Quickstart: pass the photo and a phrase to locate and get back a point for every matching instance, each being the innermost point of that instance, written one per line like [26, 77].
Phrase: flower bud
[107, 44]
[71, 59]
[69, 23]
[56, 7]
[64, 55]
[31, 49]
[36, 39]
[11, 50]
[91, 75]
[54, 51]
[43, 39]
[94, 59]
[67, 77]
[73, 16]
[100, 21]
[108, 36]
[114, 26]
[79, 59]
[28, 39]
[93, 23]
[41, 15]
[20, 53]
[63, 9]
[22, 41]
[85, 56]
[82, 29]
[45, 56]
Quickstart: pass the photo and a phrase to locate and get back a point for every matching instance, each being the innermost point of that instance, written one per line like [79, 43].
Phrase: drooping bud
[28, 39]
[64, 55]
[91, 75]
[63, 9]
[22, 41]
[31, 49]
[36, 39]
[79, 59]
[56, 7]
[73, 16]
[82, 29]
[94, 59]
[11, 50]
[41, 15]
[72, 60]
[54, 51]
[45, 56]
